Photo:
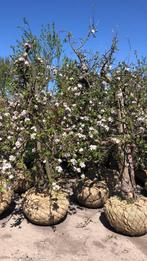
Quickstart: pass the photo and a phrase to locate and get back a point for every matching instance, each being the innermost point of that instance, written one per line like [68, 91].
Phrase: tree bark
[126, 165]
[127, 174]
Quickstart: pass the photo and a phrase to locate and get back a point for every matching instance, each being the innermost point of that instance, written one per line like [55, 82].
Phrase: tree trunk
[127, 174]
[48, 170]
[126, 165]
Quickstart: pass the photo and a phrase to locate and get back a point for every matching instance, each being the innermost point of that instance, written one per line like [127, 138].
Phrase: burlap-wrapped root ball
[6, 195]
[45, 209]
[128, 218]
[91, 194]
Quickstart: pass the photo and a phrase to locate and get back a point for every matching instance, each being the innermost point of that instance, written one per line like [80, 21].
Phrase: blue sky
[126, 17]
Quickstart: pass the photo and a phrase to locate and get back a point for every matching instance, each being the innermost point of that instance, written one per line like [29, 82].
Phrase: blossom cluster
[69, 130]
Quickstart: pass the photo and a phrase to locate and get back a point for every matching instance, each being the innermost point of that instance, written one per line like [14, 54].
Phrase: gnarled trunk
[126, 165]
[127, 173]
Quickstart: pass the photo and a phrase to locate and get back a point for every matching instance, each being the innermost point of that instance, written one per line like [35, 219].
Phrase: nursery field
[84, 235]
[73, 131]
[73, 158]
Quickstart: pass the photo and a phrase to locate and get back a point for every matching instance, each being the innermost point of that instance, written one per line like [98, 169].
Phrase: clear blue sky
[126, 17]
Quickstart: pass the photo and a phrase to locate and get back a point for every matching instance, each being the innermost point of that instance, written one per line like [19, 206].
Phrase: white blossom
[91, 135]
[93, 31]
[57, 140]
[27, 45]
[15, 117]
[25, 54]
[115, 140]
[77, 169]
[39, 59]
[93, 147]
[33, 136]
[80, 135]
[27, 63]
[7, 114]
[82, 165]
[81, 150]
[21, 59]
[18, 144]
[27, 119]
[141, 119]
[80, 85]
[23, 113]
[77, 93]
[119, 94]
[6, 166]
[73, 162]
[106, 127]
[33, 128]
[12, 158]
[59, 169]
[75, 89]
[91, 128]
[11, 176]
[82, 176]
[110, 119]
[64, 134]
[134, 102]
[67, 155]
[55, 186]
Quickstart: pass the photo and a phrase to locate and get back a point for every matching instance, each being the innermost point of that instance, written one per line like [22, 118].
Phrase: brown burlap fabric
[127, 218]
[5, 196]
[92, 194]
[45, 209]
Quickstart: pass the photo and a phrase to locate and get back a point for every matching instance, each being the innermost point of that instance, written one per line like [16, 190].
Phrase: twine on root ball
[128, 218]
[91, 194]
[45, 209]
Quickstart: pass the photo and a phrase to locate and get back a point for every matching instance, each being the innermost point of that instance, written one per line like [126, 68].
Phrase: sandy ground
[83, 236]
